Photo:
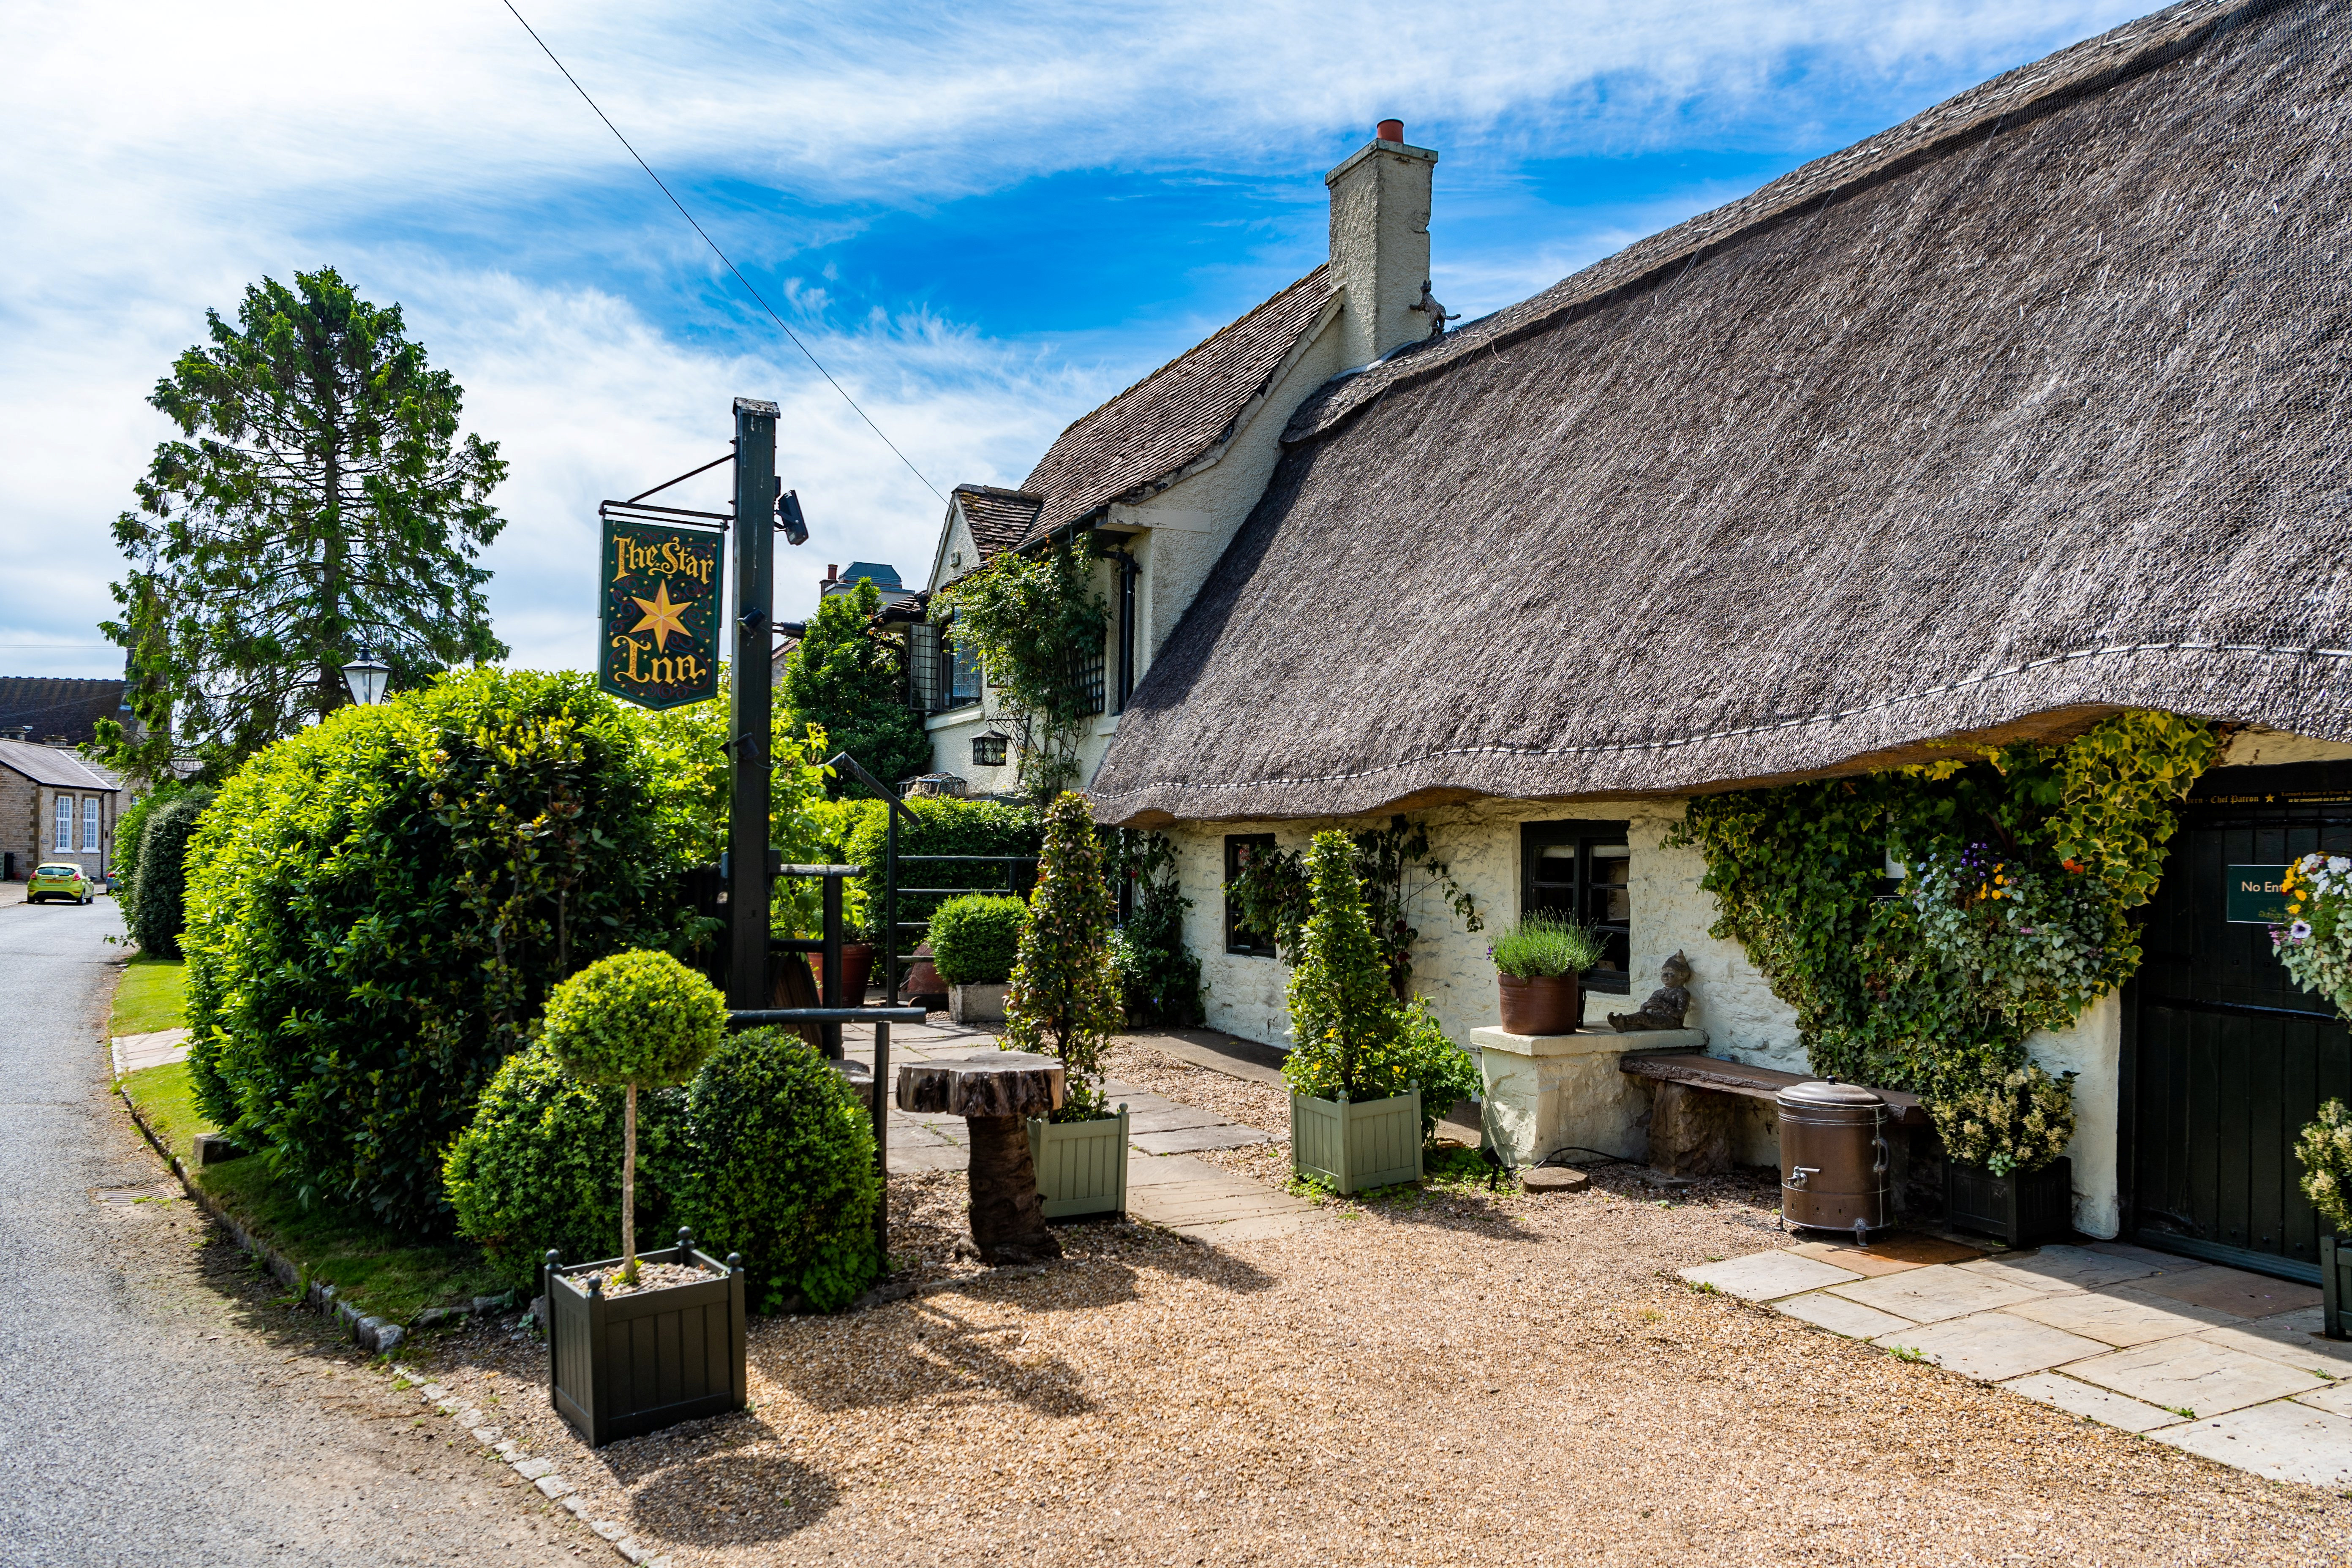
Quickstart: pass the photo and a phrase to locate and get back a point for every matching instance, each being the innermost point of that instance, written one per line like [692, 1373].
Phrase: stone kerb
[1548, 1092]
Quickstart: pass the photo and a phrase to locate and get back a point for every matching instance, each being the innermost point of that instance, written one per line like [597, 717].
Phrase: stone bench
[1691, 1131]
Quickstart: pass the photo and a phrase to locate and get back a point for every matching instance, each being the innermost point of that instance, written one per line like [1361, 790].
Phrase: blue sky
[984, 221]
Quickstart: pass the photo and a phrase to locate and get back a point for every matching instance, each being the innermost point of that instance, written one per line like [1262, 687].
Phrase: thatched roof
[1152, 432]
[2028, 410]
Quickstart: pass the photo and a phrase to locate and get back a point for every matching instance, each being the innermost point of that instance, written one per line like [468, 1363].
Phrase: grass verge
[381, 1271]
[153, 997]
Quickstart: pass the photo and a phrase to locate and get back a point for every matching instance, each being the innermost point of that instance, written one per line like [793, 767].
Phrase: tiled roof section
[51, 765]
[57, 708]
[1177, 413]
[998, 519]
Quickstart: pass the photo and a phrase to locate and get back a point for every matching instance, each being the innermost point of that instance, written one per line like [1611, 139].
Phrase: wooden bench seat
[1705, 1072]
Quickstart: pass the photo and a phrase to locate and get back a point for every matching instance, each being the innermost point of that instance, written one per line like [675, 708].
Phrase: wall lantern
[366, 675]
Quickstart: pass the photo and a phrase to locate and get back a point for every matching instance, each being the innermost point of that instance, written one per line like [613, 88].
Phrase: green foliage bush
[1032, 616]
[1545, 944]
[539, 1166]
[1346, 1034]
[976, 940]
[1885, 997]
[942, 825]
[1444, 1071]
[130, 827]
[2325, 1149]
[844, 680]
[2017, 1120]
[782, 1170]
[1395, 871]
[1064, 996]
[379, 905]
[1159, 976]
[156, 908]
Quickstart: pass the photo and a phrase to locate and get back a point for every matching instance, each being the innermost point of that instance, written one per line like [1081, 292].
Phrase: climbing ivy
[1034, 620]
[1395, 868]
[2021, 866]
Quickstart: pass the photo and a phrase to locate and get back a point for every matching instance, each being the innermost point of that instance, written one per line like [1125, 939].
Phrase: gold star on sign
[661, 615]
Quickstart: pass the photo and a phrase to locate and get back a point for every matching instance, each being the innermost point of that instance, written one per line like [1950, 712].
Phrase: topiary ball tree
[1065, 996]
[634, 1018]
[976, 940]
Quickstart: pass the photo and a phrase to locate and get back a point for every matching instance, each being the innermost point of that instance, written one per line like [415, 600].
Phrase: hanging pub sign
[661, 624]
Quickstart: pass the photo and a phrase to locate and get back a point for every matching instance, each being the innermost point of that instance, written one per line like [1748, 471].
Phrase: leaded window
[1581, 869]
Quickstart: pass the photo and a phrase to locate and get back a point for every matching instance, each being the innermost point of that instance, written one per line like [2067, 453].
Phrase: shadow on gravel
[737, 1497]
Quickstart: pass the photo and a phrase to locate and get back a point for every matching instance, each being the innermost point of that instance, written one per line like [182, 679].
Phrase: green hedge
[378, 907]
[942, 826]
[539, 1166]
[976, 939]
[156, 910]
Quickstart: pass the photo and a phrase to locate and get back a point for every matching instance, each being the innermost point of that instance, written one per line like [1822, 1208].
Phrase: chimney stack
[1379, 243]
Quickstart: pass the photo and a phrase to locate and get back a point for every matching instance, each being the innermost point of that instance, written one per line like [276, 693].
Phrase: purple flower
[2299, 931]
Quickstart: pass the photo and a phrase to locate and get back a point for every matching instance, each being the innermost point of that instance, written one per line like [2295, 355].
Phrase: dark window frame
[1240, 940]
[1583, 890]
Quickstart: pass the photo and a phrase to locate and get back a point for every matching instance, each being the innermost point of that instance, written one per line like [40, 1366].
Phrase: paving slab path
[2219, 1362]
[1164, 1185]
[158, 1409]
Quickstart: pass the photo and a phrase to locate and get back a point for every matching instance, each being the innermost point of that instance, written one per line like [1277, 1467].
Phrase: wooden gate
[2225, 1058]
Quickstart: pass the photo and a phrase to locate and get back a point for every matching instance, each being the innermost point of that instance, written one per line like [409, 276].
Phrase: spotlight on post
[366, 675]
[788, 510]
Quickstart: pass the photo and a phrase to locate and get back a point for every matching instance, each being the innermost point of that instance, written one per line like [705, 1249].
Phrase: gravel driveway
[1470, 1379]
[158, 1409]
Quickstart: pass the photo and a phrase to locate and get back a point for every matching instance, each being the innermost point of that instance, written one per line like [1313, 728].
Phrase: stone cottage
[2024, 412]
[54, 806]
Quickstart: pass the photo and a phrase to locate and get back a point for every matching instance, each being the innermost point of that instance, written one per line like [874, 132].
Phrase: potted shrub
[1355, 1111]
[636, 1344]
[1064, 1002]
[1539, 964]
[2005, 1172]
[975, 941]
[2326, 1151]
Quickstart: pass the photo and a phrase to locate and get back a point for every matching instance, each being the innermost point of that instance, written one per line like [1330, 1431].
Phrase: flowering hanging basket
[2315, 943]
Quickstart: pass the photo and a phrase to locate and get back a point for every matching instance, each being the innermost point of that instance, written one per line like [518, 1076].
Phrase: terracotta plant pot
[1542, 1004]
[856, 968]
[922, 986]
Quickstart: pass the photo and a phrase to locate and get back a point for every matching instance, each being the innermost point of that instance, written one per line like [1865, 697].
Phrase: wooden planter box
[1081, 1165]
[2334, 1288]
[621, 1367]
[2022, 1208]
[1355, 1144]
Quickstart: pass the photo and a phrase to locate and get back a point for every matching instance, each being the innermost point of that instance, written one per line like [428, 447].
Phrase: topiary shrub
[2017, 1119]
[539, 1166]
[1065, 995]
[157, 909]
[634, 1020]
[976, 940]
[378, 906]
[782, 1171]
[1345, 1032]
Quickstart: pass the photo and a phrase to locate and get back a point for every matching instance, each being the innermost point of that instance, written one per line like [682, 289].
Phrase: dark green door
[2225, 1057]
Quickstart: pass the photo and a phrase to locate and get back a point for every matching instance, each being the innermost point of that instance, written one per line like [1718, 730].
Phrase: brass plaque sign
[661, 623]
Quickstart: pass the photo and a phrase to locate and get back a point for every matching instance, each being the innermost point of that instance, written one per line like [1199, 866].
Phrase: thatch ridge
[2050, 421]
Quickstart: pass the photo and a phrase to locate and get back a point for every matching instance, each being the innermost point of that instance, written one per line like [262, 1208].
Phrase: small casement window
[1241, 937]
[1579, 870]
[963, 674]
[89, 825]
[64, 844]
[988, 751]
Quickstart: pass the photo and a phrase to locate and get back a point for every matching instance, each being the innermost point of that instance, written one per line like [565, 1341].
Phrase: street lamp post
[366, 677]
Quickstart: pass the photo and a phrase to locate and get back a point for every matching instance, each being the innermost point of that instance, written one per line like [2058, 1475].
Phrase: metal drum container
[1833, 1157]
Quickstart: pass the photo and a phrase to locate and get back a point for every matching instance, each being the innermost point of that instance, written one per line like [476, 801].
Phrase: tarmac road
[156, 1406]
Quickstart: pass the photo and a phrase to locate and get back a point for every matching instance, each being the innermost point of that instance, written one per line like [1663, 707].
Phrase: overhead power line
[730, 266]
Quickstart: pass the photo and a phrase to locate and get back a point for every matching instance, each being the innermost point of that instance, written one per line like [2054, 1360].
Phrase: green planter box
[1081, 1165]
[1355, 1144]
[2334, 1288]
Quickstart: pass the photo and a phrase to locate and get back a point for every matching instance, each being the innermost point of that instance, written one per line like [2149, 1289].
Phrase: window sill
[955, 718]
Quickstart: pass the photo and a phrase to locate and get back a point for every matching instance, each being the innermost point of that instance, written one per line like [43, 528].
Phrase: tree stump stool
[996, 1093]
